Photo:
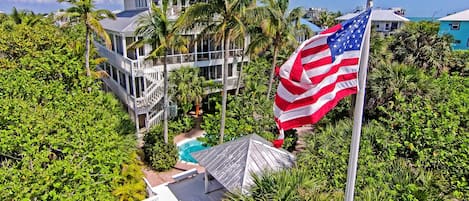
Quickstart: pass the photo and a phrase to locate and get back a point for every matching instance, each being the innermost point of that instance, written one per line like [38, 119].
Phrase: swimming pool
[189, 147]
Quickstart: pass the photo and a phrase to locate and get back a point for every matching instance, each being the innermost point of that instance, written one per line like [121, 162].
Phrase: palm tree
[156, 29]
[84, 11]
[327, 19]
[278, 28]
[223, 19]
[187, 86]
[419, 44]
[25, 17]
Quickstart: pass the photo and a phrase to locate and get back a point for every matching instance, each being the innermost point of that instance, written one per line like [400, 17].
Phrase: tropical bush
[249, 112]
[58, 140]
[414, 139]
[158, 155]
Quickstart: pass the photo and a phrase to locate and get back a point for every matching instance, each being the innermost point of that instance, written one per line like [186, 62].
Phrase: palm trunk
[238, 84]
[87, 53]
[165, 99]
[197, 109]
[225, 86]
[272, 73]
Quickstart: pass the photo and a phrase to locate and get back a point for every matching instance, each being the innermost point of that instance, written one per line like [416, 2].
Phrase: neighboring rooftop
[233, 163]
[459, 16]
[378, 15]
[125, 22]
[312, 26]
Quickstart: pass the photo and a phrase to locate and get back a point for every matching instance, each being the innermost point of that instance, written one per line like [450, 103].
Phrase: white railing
[128, 64]
[155, 118]
[154, 94]
[115, 59]
[119, 92]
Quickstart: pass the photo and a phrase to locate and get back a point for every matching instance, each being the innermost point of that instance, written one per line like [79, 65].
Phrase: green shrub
[158, 155]
[130, 183]
[163, 156]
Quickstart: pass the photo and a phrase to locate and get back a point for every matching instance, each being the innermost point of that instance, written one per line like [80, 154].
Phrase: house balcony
[174, 61]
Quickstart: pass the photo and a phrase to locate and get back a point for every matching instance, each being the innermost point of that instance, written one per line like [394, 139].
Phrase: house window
[132, 52]
[108, 68]
[122, 80]
[114, 73]
[467, 45]
[457, 41]
[120, 46]
[140, 3]
[394, 25]
[230, 70]
[131, 86]
[112, 41]
[211, 72]
[454, 26]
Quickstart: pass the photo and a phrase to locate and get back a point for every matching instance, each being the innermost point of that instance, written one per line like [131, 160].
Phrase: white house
[137, 81]
[383, 20]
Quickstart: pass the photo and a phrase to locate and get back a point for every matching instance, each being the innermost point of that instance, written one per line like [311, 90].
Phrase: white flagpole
[358, 114]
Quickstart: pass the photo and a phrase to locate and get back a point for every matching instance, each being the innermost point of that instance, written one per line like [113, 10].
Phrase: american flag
[321, 72]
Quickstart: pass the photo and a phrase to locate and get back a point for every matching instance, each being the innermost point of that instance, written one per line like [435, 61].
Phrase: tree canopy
[59, 141]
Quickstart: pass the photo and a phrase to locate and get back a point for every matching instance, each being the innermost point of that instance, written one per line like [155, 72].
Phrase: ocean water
[418, 19]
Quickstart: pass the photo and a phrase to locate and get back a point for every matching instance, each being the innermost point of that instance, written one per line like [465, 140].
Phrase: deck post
[206, 181]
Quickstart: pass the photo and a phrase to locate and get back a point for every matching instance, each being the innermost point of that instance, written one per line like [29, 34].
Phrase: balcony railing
[128, 64]
[194, 57]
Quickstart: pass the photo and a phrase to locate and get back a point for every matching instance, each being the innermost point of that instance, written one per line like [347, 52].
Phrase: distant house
[456, 25]
[383, 20]
[313, 14]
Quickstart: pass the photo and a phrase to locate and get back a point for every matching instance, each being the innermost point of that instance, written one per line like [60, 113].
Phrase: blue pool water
[189, 147]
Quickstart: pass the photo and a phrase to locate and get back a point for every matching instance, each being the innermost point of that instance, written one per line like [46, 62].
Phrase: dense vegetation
[62, 138]
[414, 143]
[58, 141]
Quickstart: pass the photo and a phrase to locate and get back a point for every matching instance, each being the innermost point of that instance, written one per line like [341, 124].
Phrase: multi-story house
[383, 20]
[138, 81]
[456, 25]
[312, 14]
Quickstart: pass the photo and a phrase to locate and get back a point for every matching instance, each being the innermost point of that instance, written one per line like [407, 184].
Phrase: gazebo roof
[233, 163]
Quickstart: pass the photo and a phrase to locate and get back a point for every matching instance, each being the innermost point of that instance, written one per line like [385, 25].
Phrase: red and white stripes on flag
[321, 72]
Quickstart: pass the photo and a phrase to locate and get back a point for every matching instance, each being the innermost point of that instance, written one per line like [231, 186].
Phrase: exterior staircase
[152, 100]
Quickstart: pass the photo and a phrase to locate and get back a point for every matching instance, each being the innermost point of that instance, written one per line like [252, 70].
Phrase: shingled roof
[125, 22]
[377, 15]
[233, 163]
[459, 16]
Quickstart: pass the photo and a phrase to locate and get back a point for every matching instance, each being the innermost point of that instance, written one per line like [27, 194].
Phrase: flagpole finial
[369, 4]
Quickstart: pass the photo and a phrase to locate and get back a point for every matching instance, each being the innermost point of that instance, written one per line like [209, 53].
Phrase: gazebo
[232, 164]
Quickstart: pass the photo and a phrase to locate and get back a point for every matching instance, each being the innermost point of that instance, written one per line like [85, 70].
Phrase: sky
[414, 8]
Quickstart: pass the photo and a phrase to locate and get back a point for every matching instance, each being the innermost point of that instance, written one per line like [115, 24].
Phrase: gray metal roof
[312, 26]
[125, 22]
[233, 163]
[377, 15]
[459, 16]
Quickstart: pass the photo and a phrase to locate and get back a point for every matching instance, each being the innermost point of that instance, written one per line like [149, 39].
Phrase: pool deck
[194, 133]
[157, 178]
